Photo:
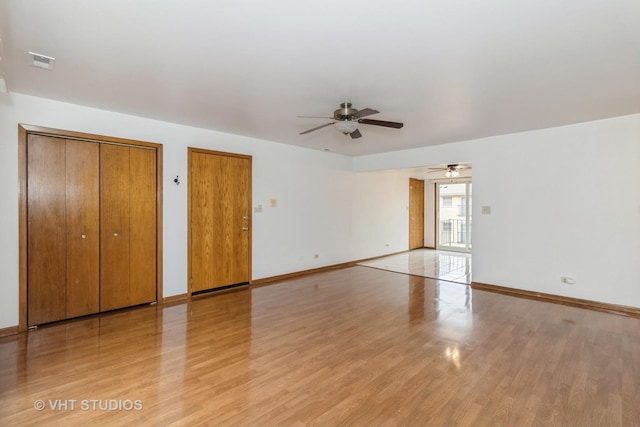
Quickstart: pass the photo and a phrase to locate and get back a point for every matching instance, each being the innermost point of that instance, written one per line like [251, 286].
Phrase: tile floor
[442, 265]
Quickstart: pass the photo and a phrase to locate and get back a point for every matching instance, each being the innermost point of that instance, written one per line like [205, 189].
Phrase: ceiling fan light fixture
[452, 172]
[346, 126]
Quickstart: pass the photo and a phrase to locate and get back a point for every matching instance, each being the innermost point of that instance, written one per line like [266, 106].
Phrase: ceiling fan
[451, 170]
[346, 120]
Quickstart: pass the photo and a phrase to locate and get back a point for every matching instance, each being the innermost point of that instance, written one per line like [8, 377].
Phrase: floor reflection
[446, 310]
[442, 265]
[444, 299]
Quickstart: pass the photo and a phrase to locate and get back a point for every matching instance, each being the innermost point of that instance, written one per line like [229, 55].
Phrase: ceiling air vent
[41, 61]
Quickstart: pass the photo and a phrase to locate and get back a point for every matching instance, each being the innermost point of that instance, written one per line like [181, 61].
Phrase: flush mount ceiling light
[41, 61]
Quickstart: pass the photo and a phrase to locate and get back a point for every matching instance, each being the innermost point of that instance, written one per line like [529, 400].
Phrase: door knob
[115, 234]
[245, 228]
[84, 236]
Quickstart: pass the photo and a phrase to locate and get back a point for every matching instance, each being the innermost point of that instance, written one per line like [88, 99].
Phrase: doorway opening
[453, 216]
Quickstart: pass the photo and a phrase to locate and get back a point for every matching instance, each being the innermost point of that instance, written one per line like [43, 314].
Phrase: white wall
[313, 213]
[564, 201]
[381, 213]
[313, 192]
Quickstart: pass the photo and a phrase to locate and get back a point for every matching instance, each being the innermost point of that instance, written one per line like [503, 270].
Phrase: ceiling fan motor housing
[345, 112]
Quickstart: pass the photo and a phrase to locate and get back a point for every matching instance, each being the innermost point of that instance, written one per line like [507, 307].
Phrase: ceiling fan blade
[366, 112]
[395, 125]
[355, 134]
[316, 128]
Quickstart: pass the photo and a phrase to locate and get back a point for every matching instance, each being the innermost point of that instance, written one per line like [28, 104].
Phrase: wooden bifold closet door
[128, 226]
[91, 227]
[63, 228]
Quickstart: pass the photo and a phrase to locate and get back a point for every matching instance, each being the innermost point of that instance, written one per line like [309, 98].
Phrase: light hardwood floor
[356, 346]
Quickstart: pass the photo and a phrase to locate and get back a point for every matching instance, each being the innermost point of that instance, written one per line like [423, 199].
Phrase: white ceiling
[451, 70]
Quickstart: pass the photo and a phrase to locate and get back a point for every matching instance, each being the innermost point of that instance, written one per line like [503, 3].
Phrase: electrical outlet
[567, 280]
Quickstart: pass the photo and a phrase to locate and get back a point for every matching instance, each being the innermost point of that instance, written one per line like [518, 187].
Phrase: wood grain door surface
[62, 223]
[219, 203]
[128, 226]
[416, 213]
[83, 228]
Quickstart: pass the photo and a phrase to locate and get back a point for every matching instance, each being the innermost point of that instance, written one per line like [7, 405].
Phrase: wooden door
[128, 226]
[62, 229]
[416, 213]
[142, 226]
[219, 219]
[83, 228]
[47, 246]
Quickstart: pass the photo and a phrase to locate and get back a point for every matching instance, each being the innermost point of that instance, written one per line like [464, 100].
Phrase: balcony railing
[454, 233]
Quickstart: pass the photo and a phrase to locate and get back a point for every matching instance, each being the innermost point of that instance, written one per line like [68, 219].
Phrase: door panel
[219, 197]
[238, 206]
[114, 208]
[128, 221]
[46, 242]
[202, 239]
[142, 220]
[82, 228]
[416, 213]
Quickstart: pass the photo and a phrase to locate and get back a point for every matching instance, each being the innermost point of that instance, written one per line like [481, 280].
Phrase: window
[462, 207]
[447, 202]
